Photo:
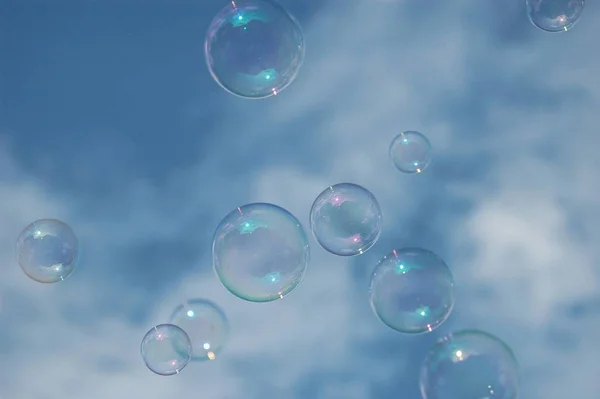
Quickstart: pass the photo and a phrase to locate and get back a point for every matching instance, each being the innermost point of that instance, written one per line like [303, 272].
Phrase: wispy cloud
[510, 201]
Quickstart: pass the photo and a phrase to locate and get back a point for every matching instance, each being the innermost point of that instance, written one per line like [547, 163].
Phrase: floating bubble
[254, 48]
[346, 219]
[166, 349]
[412, 291]
[47, 250]
[470, 365]
[260, 252]
[554, 15]
[205, 324]
[410, 152]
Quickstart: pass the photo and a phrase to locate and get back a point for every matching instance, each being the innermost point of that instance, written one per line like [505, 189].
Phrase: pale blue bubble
[260, 252]
[346, 219]
[47, 250]
[470, 364]
[254, 48]
[205, 324]
[412, 290]
[554, 15]
[166, 349]
[410, 152]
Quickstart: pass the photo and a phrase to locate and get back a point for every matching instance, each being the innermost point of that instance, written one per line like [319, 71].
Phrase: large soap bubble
[260, 252]
[412, 290]
[346, 219]
[470, 364]
[166, 349]
[254, 48]
[554, 15]
[47, 250]
[206, 325]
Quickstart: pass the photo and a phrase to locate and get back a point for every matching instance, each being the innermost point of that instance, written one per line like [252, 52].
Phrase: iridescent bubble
[346, 219]
[260, 252]
[254, 48]
[47, 250]
[470, 365]
[166, 349]
[206, 325]
[410, 152]
[554, 15]
[412, 290]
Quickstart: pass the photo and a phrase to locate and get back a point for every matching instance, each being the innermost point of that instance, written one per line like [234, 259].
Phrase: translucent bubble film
[412, 290]
[47, 251]
[260, 252]
[205, 324]
[410, 152]
[554, 15]
[254, 48]
[346, 219]
[166, 349]
[470, 364]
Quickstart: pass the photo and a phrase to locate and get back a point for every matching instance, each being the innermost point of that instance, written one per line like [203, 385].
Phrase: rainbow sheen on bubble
[470, 364]
[254, 48]
[410, 152]
[346, 219]
[554, 15]
[205, 324]
[47, 251]
[260, 252]
[412, 290]
[166, 349]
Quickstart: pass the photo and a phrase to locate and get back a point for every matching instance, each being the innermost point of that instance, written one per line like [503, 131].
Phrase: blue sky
[110, 122]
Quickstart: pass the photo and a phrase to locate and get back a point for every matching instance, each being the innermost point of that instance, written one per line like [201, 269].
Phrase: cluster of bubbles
[254, 49]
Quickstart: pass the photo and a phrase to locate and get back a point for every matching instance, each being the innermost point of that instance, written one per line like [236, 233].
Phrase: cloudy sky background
[110, 122]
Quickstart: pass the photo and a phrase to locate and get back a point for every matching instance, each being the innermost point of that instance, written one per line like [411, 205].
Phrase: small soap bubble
[166, 349]
[254, 48]
[47, 251]
[205, 324]
[346, 219]
[260, 252]
[469, 364]
[410, 152]
[412, 291]
[554, 15]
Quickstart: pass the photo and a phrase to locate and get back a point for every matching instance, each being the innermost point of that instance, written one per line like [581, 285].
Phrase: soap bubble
[410, 152]
[469, 365]
[254, 48]
[412, 291]
[554, 15]
[166, 349]
[47, 251]
[260, 252]
[346, 219]
[205, 324]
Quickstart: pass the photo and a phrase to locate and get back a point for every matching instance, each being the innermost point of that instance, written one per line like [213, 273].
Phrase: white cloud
[371, 71]
[534, 227]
